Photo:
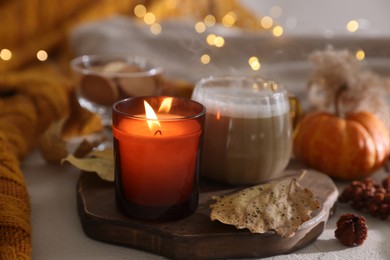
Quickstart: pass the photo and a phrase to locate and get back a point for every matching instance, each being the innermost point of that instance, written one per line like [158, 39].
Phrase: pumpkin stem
[337, 98]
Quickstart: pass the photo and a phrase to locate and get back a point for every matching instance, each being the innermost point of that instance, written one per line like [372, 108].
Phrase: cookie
[98, 89]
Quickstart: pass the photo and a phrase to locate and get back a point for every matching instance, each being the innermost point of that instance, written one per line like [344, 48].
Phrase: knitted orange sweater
[29, 102]
[15, 230]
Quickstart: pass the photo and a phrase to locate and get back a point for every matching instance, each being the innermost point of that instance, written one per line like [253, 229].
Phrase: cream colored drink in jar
[247, 138]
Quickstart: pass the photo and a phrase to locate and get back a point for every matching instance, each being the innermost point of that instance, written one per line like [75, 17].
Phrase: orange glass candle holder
[156, 148]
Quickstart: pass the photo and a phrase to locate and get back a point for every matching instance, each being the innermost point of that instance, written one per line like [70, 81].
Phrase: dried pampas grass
[367, 91]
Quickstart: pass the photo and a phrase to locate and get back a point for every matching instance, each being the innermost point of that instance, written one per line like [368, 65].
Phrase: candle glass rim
[172, 119]
[202, 84]
[87, 60]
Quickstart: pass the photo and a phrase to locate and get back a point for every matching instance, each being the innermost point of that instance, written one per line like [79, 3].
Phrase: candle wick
[158, 131]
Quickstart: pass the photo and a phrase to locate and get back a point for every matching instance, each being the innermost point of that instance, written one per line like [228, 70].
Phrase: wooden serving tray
[195, 237]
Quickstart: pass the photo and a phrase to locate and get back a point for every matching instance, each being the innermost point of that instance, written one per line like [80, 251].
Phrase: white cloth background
[178, 49]
[326, 17]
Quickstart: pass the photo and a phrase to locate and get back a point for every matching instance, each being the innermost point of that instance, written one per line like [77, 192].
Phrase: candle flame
[166, 105]
[152, 120]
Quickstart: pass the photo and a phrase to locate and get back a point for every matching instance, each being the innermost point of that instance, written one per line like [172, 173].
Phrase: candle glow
[150, 172]
[152, 120]
[165, 105]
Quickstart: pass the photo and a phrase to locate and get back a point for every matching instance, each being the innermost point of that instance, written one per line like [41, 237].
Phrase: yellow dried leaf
[101, 162]
[86, 146]
[282, 206]
[54, 147]
[51, 145]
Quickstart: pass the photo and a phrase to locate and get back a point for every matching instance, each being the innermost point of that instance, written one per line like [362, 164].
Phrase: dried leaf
[282, 206]
[86, 146]
[101, 162]
[54, 147]
[51, 145]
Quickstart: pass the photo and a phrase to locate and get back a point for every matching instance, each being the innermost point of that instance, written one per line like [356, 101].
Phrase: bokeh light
[277, 31]
[210, 39]
[42, 55]
[360, 55]
[352, 26]
[149, 18]
[200, 27]
[155, 28]
[266, 22]
[253, 59]
[229, 19]
[5, 54]
[219, 41]
[254, 63]
[140, 11]
[214, 40]
[205, 59]
[209, 20]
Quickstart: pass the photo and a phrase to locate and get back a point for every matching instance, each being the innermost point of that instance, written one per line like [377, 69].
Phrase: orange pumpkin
[346, 148]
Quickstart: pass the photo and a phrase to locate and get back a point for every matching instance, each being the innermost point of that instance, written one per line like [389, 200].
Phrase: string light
[256, 66]
[155, 28]
[214, 40]
[200, 27]
[205, 59]
[5, 54]
[209, 20]
[360, 55]
[229, 19]
[266, 22]
[140, 11]
[210, 39]
[219, 41]
[352, 26]
[149, 18]
[253, 59]
[277, 31]
[42, 55]
[254, 63]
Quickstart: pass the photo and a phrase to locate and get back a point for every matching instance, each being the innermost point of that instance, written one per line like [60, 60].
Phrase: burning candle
[156, 143]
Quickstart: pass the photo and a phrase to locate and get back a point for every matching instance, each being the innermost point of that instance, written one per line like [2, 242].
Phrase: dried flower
[367, 91]
[351, 229]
